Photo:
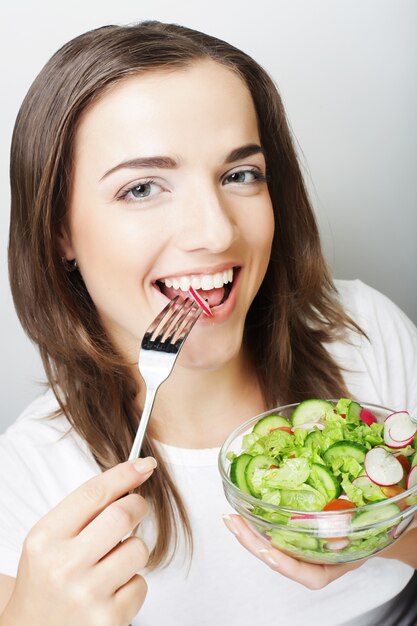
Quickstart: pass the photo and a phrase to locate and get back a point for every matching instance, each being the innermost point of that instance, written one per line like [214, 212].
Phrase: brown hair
[293, 314]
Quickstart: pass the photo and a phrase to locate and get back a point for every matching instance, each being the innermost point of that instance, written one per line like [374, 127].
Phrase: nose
[206, 222]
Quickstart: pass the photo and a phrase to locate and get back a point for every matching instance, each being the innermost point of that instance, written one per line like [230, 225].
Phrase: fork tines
[171, 326]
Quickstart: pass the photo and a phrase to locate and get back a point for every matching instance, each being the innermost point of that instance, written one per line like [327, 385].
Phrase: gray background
[347, 72]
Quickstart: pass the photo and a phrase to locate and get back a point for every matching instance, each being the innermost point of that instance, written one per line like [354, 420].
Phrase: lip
[214, 269]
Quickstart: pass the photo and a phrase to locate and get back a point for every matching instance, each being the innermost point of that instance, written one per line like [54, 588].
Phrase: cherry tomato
[339, 505]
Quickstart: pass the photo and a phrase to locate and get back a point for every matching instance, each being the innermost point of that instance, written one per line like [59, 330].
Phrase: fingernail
[267, 556]
[231, 524]
[144, 466]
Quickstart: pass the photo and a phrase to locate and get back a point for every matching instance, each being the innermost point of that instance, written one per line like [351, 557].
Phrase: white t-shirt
[40, 465]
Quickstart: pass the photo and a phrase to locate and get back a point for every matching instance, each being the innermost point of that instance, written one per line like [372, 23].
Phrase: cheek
[107, 241]
[114, 256]
[260, 233]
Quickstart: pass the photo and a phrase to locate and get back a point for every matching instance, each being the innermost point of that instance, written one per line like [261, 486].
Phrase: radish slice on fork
[199, 300]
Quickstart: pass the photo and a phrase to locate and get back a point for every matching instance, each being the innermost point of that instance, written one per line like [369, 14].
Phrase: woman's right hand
[75, 567]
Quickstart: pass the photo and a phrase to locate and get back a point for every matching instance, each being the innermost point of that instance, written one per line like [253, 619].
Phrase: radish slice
[403, 441]
[399, 427]
[382, 467]
[392, 443]
[412, 478]
[309, 426]
[199, 300]
[367, 417]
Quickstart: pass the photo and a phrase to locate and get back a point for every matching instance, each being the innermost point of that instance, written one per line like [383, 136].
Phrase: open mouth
[214, 288]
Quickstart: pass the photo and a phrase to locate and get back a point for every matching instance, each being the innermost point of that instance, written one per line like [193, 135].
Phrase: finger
[128, 599]
[81, 506]
[121, 564]
[109, 528]
[312, 576]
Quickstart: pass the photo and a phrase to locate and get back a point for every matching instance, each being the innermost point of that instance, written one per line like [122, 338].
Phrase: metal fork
[159, 350]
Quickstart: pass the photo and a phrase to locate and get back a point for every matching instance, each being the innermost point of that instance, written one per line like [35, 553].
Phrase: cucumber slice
[270, 422]
[354, 411]
[256, 462]
[366, 518]
[345, 448]
[322, 479]
[311, 411]
[414, 460]
[237, 472]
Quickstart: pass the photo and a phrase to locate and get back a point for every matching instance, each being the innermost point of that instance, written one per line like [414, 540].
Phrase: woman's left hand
[308, 574]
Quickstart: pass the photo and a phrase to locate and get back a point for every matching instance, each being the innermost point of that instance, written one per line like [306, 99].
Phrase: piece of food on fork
[200, 302]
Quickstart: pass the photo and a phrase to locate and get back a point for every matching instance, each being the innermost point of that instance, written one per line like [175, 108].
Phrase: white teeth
[207, 282]
[204, 281]
[218, 280]
[228, 276]
[184, 283]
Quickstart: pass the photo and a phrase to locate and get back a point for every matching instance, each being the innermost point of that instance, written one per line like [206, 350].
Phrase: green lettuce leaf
[292, 473]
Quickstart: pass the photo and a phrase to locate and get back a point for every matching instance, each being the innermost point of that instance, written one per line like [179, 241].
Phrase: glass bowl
[319, 536]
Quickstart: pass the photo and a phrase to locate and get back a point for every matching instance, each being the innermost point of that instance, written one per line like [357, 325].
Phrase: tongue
[213, 296]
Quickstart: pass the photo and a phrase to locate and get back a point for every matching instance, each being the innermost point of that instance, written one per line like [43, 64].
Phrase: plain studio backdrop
[347, 72]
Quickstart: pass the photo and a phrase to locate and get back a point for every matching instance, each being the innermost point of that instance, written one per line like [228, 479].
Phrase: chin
[211, 354]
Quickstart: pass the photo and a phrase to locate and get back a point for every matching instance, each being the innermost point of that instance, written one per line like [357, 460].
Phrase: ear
[64, 245]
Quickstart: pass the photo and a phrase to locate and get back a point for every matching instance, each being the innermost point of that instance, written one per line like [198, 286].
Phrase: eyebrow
[165, 162]
[244, 152]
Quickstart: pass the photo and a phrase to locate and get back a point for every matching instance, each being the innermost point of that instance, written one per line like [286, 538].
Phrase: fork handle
[140, 434]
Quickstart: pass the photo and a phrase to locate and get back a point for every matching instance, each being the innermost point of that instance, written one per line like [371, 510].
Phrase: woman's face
[168, 188]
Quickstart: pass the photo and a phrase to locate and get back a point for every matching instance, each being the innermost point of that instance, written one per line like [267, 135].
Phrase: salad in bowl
[325, 481]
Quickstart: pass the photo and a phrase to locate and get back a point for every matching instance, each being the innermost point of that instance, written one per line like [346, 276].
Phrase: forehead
[170, 110]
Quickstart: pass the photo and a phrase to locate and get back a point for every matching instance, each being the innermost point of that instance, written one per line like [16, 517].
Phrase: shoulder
[383, 363]
[44, 404]
[41, 440]
[378, 316]
[366, 303]
[40, 423]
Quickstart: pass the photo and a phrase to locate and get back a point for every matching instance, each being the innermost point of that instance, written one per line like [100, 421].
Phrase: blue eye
[140, 191]
[245, 177]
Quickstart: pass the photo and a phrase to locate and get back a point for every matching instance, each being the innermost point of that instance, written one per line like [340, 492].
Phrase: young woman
[145, 157]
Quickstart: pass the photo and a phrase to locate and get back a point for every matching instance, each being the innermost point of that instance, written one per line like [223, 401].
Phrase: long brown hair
[294, 313]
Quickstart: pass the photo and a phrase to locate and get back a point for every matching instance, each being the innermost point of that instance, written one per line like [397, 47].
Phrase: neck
[198, 409]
